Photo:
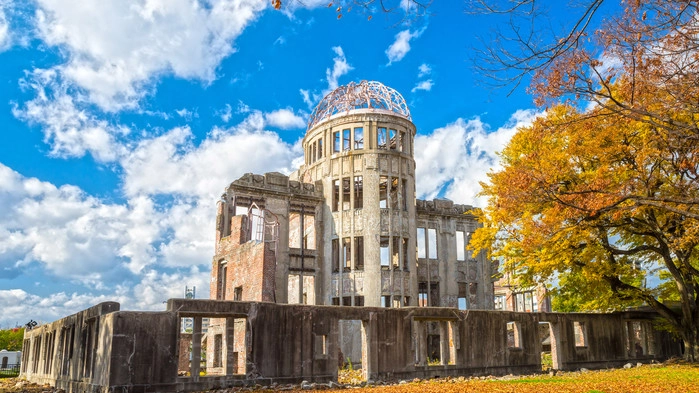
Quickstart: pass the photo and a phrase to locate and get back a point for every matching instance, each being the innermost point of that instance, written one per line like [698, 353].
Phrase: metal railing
[12, 370]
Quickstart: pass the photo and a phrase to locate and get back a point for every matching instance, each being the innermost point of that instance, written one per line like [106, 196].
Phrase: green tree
[11, 339]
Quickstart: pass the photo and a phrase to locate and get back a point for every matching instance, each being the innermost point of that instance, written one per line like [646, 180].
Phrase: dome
[365, 94]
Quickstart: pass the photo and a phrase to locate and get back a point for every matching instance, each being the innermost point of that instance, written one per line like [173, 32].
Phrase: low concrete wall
[102, 349]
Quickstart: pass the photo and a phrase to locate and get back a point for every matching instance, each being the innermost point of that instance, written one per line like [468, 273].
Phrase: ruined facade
[346, 229]
[336, 262]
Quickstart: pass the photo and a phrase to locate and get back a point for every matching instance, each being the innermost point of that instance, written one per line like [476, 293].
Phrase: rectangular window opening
[432, 243]
[394, 193]
[421, 250]
[347, 253]
[393, 139]
[384, 251]
[580, 334]
[238, 294]
[346, 193]
[386, 301]
[359, 253]
[336, 255]
[358, 192]
[320, 148]
[463, 296]
[381, 138]
[336, 141]
[404, 255]
[460, 246]
[346, 140]
[513, 335]
[309, 232]
[358, 138]
[336, 194]
[404, 194]
[383, 192]
[422, 294]
[395, 252]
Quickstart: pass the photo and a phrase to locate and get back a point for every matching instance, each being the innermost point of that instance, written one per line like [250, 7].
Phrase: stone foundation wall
[263, 343]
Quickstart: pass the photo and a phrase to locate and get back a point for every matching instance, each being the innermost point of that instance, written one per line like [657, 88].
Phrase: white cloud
[4, 29]
[147, 294]
[423, 85]
[70, 130]
[226, 113]
[455, 158]
[401, 46]
[284, 119]
[115, 48]
[172, 164]
[424, 70]
[72, 234]
[186, 114]
[340, 68]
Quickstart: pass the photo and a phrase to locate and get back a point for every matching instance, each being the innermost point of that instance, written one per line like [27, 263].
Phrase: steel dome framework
[365, 94]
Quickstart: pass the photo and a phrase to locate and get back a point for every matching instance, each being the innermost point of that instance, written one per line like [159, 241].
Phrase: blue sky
[121, 122]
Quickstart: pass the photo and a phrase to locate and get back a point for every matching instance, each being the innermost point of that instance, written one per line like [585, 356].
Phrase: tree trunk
[691, 345]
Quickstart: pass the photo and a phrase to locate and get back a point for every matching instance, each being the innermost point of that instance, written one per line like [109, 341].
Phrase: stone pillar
[196, 350]
[229, 360]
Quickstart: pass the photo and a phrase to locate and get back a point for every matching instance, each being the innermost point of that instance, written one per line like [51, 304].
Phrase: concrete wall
[124, 351]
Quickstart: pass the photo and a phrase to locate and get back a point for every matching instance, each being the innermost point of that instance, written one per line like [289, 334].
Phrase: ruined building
[379, 278]
[346, 229]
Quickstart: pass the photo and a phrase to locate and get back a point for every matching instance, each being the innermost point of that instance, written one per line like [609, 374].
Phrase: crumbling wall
[139, 351]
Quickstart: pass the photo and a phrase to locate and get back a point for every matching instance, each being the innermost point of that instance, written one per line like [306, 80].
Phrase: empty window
[383, 192]
[406, 301]
[579, 331]
[359, 253]
[401, 141]
[336, 195]
[346, 139]
[358, 192]
[294, 230]
[359, 301]
[421, 250]
[336, 301]
[309, 232]
[462, 301]
[393, 193]
[320, 148]
[422, 294]
[525, 301]
[347, 300]
[395, 252]
[405, 136]
[393, 139]
[358, 138]
[222, 273]
[238, 294]
[313, 153]
[404, 194]
[386, 301]
[404, 256]
[381, 138]
[347, 253]
[432, 242]
[500, 303]
[346, 193]
[336, 255]
[513, 339]
[460, 247]
[384, 251]
[336, 141]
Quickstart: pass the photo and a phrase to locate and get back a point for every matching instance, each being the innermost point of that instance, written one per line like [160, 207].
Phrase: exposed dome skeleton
[365, 94]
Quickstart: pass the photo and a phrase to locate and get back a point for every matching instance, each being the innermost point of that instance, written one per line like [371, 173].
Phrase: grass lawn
[654, 378]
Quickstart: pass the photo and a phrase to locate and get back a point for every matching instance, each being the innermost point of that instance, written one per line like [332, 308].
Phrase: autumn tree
[602, 191]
